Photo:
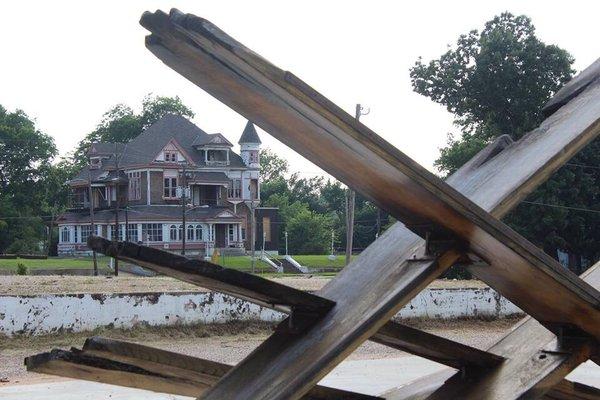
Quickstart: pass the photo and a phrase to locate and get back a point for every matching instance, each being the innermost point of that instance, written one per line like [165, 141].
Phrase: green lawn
[53, 263]
[241, 263]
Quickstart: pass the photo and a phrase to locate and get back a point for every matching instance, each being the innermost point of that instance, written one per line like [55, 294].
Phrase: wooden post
[94, 259]
[184, 230]
[50, 232]
[252, 236]
[116, 207]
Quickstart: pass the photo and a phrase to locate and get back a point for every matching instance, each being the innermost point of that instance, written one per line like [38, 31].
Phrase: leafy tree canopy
[496, 82]
[25, 165]
[121, 124]
[272, 166]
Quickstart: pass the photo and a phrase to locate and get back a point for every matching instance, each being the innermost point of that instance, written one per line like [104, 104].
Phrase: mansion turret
[171, 168]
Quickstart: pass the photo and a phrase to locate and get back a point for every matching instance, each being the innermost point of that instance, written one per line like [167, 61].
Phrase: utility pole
[252, 234]
[350, 197]
[50, 232]
[184, 231]
[378, 223]
[93, 226]
[116, 237]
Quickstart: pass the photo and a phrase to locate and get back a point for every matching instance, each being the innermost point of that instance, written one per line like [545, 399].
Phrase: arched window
[190, 232]
[65, 235]
[180, 233]
[173, 233]
[199, 232]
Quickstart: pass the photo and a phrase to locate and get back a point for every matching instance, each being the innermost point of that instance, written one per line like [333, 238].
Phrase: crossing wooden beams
[309, 123]
[455, 217]
[312, 125]
[536, 361]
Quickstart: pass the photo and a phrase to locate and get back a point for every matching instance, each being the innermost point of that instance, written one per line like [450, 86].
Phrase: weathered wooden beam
[73, 364]
[422, 388]
[536, 361]
[435, 348]
[211, 276]
[313, 126]
[134, 365]
[573, 88]
[568, 390]
[374, 286]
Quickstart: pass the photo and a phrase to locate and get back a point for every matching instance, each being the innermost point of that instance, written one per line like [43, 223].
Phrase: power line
[562, 207]
[582, 165]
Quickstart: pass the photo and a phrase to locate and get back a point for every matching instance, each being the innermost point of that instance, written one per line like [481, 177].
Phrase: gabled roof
[143, 149]
[249, 135]
[105, 149]
[212, 139]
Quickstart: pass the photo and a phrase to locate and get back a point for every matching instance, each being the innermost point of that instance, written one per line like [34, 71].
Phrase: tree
[25, 164]
[121, 124]
[272, 166]
[308, 232]
[496, 82]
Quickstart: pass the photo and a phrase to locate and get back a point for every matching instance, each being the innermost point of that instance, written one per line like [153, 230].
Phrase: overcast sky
[66, 63]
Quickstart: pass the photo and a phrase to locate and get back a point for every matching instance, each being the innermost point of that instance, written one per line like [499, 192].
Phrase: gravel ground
[36, 285]
[228, 343]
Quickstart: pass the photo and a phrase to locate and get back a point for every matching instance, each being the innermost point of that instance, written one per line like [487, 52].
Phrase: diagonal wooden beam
[134, 365]
[291, 111]
[435, 348]
[421, 389]
[211, 276]
[313, 126]
[536, 361]
[567, 390]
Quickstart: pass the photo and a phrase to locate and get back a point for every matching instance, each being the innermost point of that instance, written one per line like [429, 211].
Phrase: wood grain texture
[211, 276]
[535, 363]
[143, 367]
[306, 121]
[434, 348]
[573, 88]
[567, 390]
[309, 123]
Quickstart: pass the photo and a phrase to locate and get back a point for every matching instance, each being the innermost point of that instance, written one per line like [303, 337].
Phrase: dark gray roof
[147, 213]
[212, 139]
[98, 176]
[105, 149]
[209, 177]
[249, 135]
[144, 148]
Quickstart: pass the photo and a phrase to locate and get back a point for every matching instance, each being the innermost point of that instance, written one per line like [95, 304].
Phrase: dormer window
[95, 162]
[170, 156]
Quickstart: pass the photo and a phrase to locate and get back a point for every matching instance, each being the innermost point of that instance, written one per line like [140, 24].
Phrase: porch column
[148, 187]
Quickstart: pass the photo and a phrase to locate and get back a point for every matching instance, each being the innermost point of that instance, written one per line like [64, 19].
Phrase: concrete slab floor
[366, 376]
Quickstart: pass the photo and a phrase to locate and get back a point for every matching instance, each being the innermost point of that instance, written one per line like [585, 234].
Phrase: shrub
[21, 269]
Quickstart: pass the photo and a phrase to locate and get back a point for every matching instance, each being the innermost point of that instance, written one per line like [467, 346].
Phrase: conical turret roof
[249, 135]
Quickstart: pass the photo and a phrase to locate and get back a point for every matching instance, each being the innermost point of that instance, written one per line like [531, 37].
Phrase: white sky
[65, 63]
